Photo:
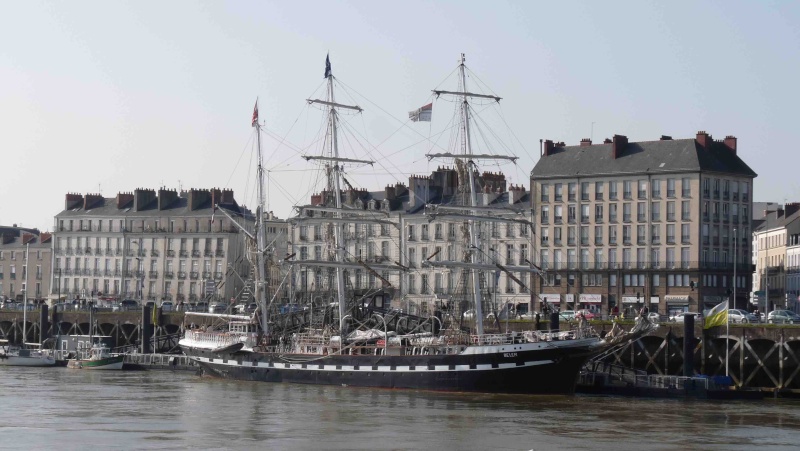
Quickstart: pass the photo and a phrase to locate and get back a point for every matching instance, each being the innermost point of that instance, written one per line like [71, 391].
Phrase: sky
[108, 97]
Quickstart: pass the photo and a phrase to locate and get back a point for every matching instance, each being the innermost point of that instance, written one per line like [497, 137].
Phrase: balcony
[180, 297]
[570, 241]
[627, 195]
[571, 197]
[706, 240]
[545, 219]
[170, 253]
[218, 275]
[671, 193]
[686, 216]
[195, 252]
[670, 240]
[219, 253]
[612, 241]
[153, 274]
[671, 217]
[598, 196]
[584, 196]
[183, 253]
[206, 274]
[685, 240]
[641, 218]
[79, 251]
[208, 253]
[735, 196]
[626, 218]
[598, 241]
[584, 219]
[656, 195]
[117, 251]
[706, 194]
[545, 198]
[559, 197]
[642, 194]
[584, 241]
[612, 195]
[705, 217]
[571, 219]
[598, 219]
[153, 253]
[169, 275]
[559, 219]
[715, 217]
[544, 241]
[716, 194]
[655, 217]
[194, 275]
[641, 241]
[725, 218]
[181, 275]
[626, 241]
[686, 193]
[557, 242]
[70, 251]
[725, 195]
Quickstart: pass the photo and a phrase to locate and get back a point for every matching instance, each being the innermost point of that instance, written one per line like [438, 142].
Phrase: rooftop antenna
[591, 133]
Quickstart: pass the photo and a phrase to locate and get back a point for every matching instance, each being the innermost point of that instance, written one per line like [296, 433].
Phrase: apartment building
[24, 263]
[658, 223]
[776, 279]
[165, 245]
[411, 237]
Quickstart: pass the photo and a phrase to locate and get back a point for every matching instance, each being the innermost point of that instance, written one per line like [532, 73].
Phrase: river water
[58, 408]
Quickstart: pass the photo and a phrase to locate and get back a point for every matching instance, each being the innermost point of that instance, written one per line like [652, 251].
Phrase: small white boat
[16, 356]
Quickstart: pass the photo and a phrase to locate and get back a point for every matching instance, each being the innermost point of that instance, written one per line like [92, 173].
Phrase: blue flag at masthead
[327, 65]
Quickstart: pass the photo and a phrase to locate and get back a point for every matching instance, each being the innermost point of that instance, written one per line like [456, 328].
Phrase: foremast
[262, 287]
[334, 186]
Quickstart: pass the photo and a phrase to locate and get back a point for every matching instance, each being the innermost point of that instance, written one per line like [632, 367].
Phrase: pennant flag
[255, 115]
[717, 316]
[421, 114]
[327, 65]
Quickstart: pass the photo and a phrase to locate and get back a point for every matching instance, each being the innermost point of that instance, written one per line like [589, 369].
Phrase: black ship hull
[540, 368]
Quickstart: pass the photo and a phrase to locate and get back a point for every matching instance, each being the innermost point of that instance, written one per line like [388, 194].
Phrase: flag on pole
[421, 114]
[327, 65]
[717, 316]
[255, 115]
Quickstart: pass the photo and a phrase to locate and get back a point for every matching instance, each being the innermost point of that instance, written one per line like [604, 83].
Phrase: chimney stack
[586, 142]
[73, 201]
[197, 198]
[166, 197]
[92, 201]
[142, 198]
[791, 208]
[547, 148]
[730, 143]
[124, 200]
[607, 141]
[666, 138]
[704, 139]
[618, 145]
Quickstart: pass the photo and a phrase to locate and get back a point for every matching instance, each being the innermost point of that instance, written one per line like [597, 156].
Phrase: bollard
[44, 330]
[688, 345]
[146, 332]
[554, 322]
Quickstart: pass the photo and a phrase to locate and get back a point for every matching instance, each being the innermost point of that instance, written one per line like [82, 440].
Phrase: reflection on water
[43, 408]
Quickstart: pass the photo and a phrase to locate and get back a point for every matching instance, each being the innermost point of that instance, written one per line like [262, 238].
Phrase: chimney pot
[586, 142]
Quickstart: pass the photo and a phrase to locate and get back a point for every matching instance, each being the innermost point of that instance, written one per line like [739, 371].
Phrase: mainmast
[338, 199]
[472, 199]
[262, 287]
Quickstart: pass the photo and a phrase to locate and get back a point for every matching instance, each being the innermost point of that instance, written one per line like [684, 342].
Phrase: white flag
[421, 114]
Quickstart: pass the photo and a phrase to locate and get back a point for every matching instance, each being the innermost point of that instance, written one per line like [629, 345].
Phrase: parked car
[566, 315]
[783, 317]
[679, 317]
[741, 316]
[167, 306]
[126, 304]
[588, 314]
[217, 308]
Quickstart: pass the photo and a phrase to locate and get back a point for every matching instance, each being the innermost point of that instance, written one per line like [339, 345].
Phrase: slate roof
[179, 207]
[679, 155]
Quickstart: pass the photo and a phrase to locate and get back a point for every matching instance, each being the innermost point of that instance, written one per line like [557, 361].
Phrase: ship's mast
[337, 194]
[473, 201]
[262, 287]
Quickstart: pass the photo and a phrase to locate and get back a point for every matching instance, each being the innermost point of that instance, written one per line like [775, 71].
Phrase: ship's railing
[676, 382]
[222, 338]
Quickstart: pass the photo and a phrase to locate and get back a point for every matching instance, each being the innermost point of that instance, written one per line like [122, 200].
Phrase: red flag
[255, 115]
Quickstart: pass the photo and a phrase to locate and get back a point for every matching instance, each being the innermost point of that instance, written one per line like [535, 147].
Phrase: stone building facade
[658, 223]
[24, 263]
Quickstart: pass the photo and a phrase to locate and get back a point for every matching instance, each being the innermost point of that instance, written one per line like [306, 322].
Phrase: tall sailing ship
[360, 339]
